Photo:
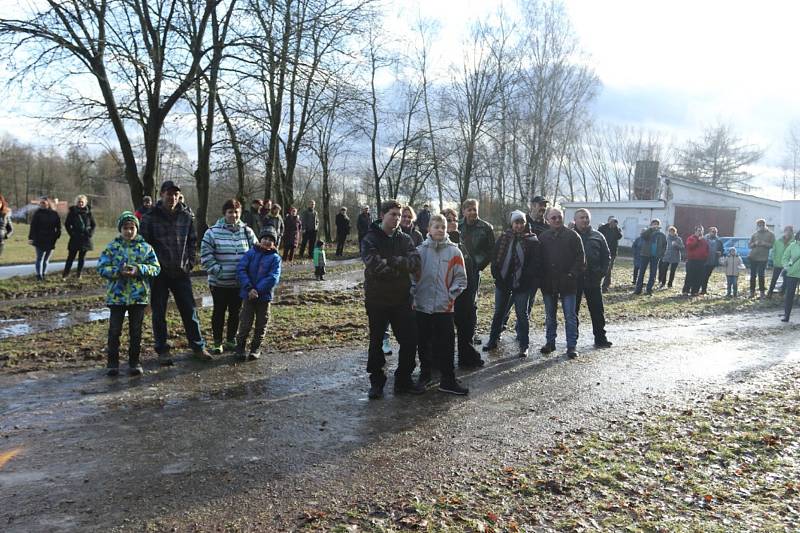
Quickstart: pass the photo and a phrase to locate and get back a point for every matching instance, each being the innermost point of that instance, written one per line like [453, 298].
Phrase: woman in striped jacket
[223, 245]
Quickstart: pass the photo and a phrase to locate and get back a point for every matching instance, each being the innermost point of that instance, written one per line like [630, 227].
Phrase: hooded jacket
[598, 257]
[173, 237]
[531, 266]
[45, 228]
[654, 243]
[612, 235]
[441, 277]
[222, 247]
[564, 261]
[80, 226]
[259, 269]
[122, 290]
[389, 261]
[777, 251]
[733, 265]
[791, 259]
[675, 249]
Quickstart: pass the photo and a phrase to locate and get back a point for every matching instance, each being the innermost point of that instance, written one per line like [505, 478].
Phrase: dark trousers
[288, 253]
[71, 257]
[757, 268]
[594, 301]
[607, 279]
[319, 272]
[436, 343]
[340, 240]
[651, 262]
[310, 238]
[790, 285]
[135, 319]
[733, 285]
[776, 273]
[466, 319]
[181, 288]
[695, 270]
[42, 260]
[252, 310]
[709, 269]
[401, 318]
[226, 300]
[636, 267]
[662, 273]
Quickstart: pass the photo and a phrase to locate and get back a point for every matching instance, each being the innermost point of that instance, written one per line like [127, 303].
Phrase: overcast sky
[673, 67]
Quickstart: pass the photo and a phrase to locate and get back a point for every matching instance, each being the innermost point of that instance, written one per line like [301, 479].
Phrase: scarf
[513, 261]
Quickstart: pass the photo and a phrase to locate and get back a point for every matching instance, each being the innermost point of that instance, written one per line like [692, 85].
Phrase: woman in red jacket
[696, 255]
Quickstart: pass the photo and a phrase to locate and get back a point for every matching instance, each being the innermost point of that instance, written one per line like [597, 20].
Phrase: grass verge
[16, 250]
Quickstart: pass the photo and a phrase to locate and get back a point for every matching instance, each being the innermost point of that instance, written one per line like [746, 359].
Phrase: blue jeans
[42, 260]
[570, 318]
[733, 285]
[651, 262]
[503, 299]
[181, 288]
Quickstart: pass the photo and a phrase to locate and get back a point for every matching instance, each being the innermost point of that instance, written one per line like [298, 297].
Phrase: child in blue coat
[259, 272]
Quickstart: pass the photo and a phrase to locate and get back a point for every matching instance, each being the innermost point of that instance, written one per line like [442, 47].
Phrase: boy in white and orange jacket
[435, 288]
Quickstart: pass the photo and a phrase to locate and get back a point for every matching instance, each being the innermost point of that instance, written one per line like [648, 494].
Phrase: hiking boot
[453, 387]
[136, 370]
[408, 387]
[490, 347]
[424, 378]
[550, 347]
[376, 386]
[229, 346]
[387, 348]
[216, 348]
[603, 343]
[254, 356]
[164, 359]
[113, 371]
[785, 319]
[571, 353]
[201, 354]
[523, 353]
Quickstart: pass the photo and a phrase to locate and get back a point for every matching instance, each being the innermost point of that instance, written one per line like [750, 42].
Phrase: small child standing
[733, 266]
[319, 261]
[441, 279]
[128, 263]
[259, 272]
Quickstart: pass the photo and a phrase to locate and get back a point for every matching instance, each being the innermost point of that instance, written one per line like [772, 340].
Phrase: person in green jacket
[777, 258]
[319, 261]
[791, 263]
[128, 264]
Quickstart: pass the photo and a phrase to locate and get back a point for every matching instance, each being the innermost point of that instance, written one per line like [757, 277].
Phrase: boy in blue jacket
[259, 272]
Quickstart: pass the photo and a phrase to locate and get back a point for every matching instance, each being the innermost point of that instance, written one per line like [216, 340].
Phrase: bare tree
[791, 165]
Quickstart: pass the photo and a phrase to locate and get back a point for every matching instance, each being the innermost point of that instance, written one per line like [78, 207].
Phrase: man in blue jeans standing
[654, 245]
[169, 228]
[564, 263]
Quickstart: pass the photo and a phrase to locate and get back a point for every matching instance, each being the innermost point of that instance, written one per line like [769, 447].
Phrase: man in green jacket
[777, 258]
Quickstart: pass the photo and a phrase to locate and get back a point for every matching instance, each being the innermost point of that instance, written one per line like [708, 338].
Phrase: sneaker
[216, 349]
[603, 343]
[229, 346]
[253, 356]
[136, 370]
[164, 359]
[490, 347]
[571, 353]
[548, 348]
[477, 340]
[408, 387]
[453, 387]
[113, 371]
[523, 353]
[202, 355]
[387, 348]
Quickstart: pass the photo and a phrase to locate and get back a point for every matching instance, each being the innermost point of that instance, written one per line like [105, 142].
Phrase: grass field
[17, 250]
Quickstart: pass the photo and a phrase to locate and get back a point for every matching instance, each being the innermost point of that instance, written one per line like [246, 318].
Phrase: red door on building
[688, 216]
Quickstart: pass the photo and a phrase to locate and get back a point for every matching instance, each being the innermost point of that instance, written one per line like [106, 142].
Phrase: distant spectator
[672, 258]
[319, 260]
[274, 220]
[777, 258]
[654, 244]
[696, 256]
[80, 226]
[636, 251]
[613, 234]
[342, 230]
[715, 252]
[363, 223]
[147, 205]
[291, 234]
[535, 219]
[45, 230]
[791, 262]
[424, 219]
[733, 265]
[6, 228]
[407, 221]
[760, 244]
[310, 221]
[251, 216]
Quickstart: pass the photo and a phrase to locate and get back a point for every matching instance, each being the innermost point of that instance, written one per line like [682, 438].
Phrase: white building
[684, 204]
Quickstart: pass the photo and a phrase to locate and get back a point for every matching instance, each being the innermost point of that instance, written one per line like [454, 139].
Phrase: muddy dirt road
[254, 445]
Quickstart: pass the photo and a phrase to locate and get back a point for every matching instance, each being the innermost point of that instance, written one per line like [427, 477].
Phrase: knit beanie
[125, 217]
[517, 215]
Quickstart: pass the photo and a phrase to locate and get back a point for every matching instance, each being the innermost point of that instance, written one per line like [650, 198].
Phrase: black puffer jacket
[80, 226]
[598, 256]
[612, 235]
[389, 261]
[45, 228]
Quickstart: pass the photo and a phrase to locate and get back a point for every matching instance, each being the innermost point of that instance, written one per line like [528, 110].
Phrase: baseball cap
[169, 184]
[539, 200]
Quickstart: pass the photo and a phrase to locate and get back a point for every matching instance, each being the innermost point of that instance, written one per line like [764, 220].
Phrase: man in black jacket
[342, 230]
[598, 257]
[363, 223]
[169, 228]
[613, 234]
[536, 222]
[390, 259]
